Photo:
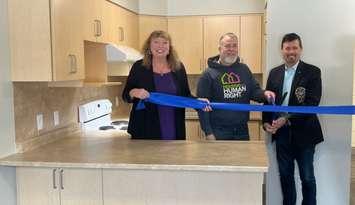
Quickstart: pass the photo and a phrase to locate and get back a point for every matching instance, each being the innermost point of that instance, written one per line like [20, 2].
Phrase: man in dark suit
[295, 83]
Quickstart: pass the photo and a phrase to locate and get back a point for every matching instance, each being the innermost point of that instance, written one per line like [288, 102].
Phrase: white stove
[96, 115]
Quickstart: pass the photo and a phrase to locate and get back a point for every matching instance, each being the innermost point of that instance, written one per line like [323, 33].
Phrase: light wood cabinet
[187, 38]
[254, 130]
[46, 40]
[193, 130]
[97, 20]
[57, 186]
[148, 24]
[125, 27]
[214, 28]
[67, 40]
[251, 41]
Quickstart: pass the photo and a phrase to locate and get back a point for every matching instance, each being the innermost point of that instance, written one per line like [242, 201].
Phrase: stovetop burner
[107, 127]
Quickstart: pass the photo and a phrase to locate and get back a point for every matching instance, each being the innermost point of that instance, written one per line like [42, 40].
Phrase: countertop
[79, 151]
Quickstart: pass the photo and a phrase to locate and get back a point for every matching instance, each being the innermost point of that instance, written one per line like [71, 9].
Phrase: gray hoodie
[227, 84]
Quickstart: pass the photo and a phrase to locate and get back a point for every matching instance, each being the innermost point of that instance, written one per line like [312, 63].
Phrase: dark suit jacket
[145, 124]
[306, 90]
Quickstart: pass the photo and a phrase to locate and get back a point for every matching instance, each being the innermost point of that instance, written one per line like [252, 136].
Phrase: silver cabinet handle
[121, 33]
[61, 179]
[54, 178]
[72, 63]
[97, 29]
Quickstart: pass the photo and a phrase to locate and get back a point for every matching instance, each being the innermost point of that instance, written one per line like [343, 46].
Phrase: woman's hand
[208, 108]
[139, 93]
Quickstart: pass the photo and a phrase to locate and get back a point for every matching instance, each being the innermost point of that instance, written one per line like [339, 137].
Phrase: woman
[159, 71]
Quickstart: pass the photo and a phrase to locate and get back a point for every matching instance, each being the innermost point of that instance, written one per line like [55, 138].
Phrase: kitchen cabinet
[254, 130]
[193, 130]
[148, 24]
[125, 27]
[46, 40]
[187, 38]
[251, 41]
[183, 187]
[58, 186]
[97, 20]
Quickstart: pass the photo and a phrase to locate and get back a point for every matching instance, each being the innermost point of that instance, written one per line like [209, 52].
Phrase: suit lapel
[280, 78]
[296, 80]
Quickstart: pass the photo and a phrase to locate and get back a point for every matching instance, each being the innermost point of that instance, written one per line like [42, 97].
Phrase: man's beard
[230, 59]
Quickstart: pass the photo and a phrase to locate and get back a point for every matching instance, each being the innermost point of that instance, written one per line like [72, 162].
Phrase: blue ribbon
[185, 102]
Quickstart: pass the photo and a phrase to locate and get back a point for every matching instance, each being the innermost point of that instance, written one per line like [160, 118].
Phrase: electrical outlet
[39, 119]
[117, 102]
[56, 118]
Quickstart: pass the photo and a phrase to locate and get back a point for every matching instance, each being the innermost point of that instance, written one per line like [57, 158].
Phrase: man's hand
[269, 128]
[210, 137]
[281, 121]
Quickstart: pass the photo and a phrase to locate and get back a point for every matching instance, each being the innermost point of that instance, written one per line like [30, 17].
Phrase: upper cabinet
[195, 51]
[97, 20]
[251, 41]
[67, 40]
[148, 24]
[46, 40]
[124, 28]
[187, 38]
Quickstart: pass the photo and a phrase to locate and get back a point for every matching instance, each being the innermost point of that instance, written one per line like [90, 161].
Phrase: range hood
[120, 53]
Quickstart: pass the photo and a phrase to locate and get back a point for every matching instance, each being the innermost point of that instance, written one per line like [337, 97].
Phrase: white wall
[7, 136]
[132, 5]
[328, 31]
[153, 7]
[199, 7]
[213, 7]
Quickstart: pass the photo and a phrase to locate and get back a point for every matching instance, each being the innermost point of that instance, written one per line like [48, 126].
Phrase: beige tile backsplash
[31, 99]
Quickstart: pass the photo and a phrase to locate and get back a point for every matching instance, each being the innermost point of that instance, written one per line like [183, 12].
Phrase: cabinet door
[251, 41]
[81, 187]
[254, 130]
[193, 130]
[148, 24]
[214, 28]
[30, 40]
[96, 21]
[48, 186]
[187, 35]
[67, 40]
[37, 186]
[127, 28]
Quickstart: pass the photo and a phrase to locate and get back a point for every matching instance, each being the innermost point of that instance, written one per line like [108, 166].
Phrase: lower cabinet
[58, 186]
[193, 130]
[165, 187]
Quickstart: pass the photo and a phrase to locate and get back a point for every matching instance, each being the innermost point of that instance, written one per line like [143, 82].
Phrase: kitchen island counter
[113, 169]
[122, 152]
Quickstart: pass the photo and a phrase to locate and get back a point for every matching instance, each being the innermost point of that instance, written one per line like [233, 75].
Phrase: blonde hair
[172, 57]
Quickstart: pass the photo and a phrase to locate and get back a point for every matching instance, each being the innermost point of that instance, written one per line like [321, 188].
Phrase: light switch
[56, 118]
[39, 118]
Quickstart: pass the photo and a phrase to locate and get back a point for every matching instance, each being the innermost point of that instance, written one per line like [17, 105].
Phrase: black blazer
[145, 124]
[306, 90]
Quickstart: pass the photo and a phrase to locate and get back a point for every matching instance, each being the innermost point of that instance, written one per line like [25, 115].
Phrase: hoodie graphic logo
[232, 86]
[230, 78]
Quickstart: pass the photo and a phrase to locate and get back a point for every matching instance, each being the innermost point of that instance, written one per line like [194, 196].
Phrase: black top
[306, 90]
[145, 124]
[227, 84]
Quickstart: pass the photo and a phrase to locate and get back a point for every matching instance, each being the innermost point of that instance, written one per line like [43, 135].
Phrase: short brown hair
[172, 57]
